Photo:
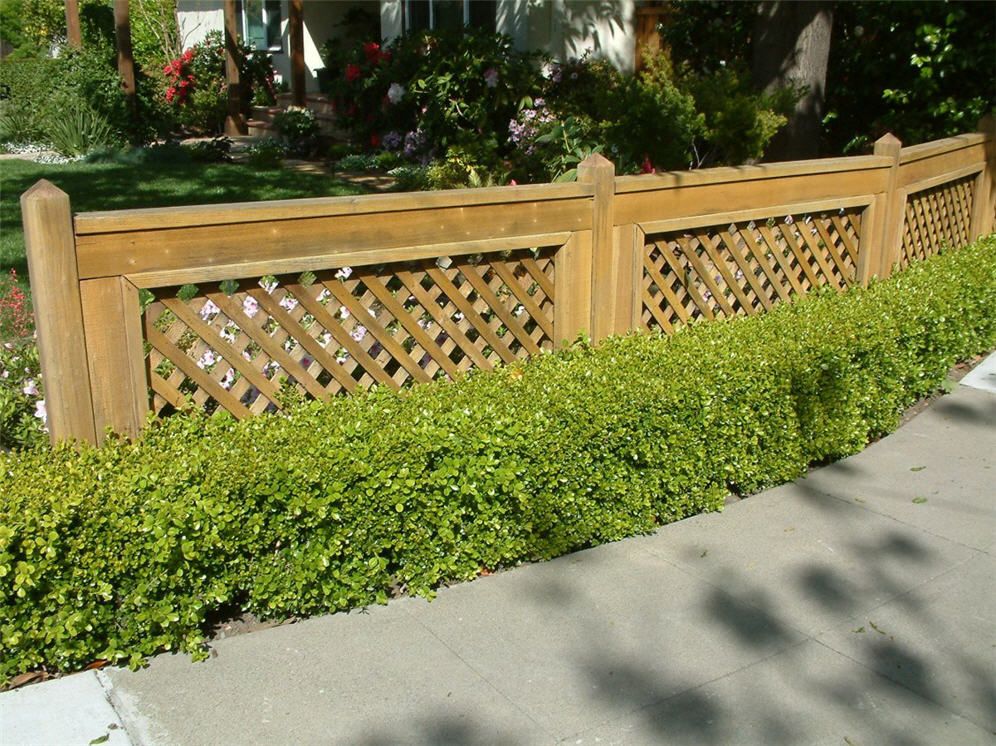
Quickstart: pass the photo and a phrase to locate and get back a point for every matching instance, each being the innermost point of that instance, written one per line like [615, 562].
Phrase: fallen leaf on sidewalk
[23, 679]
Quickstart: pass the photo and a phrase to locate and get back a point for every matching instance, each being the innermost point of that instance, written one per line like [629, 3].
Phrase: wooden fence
[222, 305]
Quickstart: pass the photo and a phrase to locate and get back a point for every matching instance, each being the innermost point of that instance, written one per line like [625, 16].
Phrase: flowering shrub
[425, 94]
[196, 88]
[23, 417]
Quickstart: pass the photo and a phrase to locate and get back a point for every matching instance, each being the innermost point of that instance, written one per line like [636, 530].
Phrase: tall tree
[791, 48]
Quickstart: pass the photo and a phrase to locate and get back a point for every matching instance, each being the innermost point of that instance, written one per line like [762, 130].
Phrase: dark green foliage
[125, 550]
[921, 70]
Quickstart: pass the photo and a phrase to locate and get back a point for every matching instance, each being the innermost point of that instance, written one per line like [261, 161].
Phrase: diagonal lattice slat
[936, 218]
[745, 268]
[233, 345]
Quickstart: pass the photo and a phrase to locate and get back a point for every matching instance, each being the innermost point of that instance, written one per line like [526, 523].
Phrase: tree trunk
[791, 48]
[235, 122]
[122, 36]
[73, 35]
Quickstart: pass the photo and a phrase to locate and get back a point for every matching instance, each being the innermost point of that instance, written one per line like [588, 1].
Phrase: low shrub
[119, 552]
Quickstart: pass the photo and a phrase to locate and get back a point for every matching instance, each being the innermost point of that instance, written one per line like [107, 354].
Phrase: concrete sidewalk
[855, 606]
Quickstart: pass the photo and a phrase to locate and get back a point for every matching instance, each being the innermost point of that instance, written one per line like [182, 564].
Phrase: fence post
[116, 355]
[881, 250]
[51, 250]
[982, 201]
[612, 253]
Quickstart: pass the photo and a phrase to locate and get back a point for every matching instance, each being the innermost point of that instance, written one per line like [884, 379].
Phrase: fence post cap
[595, 161]
[42, 189]
[887, 143]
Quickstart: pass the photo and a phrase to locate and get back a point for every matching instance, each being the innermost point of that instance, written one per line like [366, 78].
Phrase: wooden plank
[779, 257]
[757, 213]
[945, 178]
[494, 302]
[275, 351]
[55, 291]
[544, 281]
[817, 253]
[940, 147]
[373, 283]
[684, 276]
[983, 192]
[319, 262]
[142, 219]
[243, 247]
[835, 255]
[458, 299]
[705, 275]
[762, 260]
[599, 171]
[520, 294]
[572, 289]
[431, 305]
[339, 334]
[735, 174]
[116, 356]
[233, 357]
[746, 269]
[733, 199]
[936, 166]
[724, 271]
[660, 281]
[189, 368]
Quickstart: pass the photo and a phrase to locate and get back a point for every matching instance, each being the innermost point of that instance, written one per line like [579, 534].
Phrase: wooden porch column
[296, 22]
[122, 35]
[235, 123]
[73, 24]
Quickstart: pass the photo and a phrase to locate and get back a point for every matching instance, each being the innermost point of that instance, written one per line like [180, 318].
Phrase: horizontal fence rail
[223, 307]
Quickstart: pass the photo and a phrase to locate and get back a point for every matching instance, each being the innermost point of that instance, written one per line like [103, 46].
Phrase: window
[444, 14]
[260, 24]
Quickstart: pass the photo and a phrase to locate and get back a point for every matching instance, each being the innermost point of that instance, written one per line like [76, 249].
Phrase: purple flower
[392, 140]
[358, 333]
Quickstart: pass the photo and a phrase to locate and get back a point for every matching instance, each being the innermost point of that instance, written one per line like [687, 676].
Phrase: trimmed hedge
[119, 552]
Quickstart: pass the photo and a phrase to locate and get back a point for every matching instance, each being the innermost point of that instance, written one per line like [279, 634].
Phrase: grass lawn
[113, 186]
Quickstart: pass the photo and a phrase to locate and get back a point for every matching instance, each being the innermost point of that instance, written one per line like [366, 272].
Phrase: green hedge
[127, 550]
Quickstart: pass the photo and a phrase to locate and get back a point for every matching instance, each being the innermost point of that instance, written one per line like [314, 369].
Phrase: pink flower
[41, 412]
[289, 303]
[30, 389]
[358, 333]
[250, 306]
[208, 359]
[209, 310]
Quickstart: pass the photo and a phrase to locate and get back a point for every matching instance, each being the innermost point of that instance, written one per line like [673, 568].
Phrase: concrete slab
[588, 637]
[60, 712]
[362, 678]
[936, 473]
[806, 695]
[808, 559]
[983, 375]
[936, 641]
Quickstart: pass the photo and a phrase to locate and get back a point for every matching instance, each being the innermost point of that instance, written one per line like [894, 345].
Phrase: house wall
[562, 28]
[321, 22]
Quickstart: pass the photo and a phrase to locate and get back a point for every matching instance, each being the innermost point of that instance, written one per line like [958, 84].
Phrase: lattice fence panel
[937, 217]
[233, 345]
[746, 267]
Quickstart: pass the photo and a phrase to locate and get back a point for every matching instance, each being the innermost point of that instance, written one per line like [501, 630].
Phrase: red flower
[375, 140]
[353, 72]
[647, 167]
[371, 50]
